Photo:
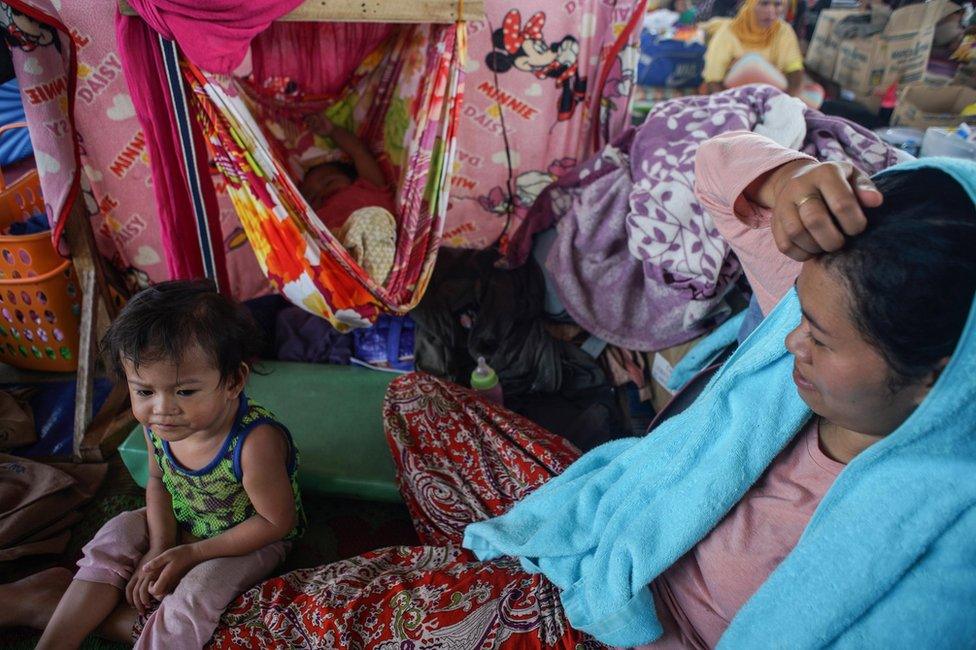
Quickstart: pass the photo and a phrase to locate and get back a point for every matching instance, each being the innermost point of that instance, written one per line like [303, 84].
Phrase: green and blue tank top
[211, 500]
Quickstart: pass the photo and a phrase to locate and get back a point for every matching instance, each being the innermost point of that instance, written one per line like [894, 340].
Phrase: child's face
[179, 401]
[321, 182]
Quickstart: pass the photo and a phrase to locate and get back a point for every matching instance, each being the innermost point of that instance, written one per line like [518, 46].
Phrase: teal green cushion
[335, 415]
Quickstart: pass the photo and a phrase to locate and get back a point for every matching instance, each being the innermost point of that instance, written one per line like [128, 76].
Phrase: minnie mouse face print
[524, 48]
[22, 31]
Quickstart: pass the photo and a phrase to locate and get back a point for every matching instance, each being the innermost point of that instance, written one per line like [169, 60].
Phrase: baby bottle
[485, 381]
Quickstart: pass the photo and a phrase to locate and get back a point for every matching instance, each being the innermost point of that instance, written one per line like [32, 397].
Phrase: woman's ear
[929, 380]
[937, 372]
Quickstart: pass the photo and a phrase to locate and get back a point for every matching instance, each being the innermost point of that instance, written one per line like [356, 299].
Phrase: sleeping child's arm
[362, 158]
[264, 469]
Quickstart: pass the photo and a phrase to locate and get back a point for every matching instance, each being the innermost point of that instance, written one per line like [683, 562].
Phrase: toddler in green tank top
[222, 499]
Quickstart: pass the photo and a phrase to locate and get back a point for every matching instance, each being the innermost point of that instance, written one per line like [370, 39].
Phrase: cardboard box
[923, 106]
[872, 102]
[899, 53]
[934, 79]
[821, 55]
[662, 365]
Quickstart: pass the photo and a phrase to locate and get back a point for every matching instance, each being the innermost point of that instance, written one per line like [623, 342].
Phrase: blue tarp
[54, 410]
[14, 145]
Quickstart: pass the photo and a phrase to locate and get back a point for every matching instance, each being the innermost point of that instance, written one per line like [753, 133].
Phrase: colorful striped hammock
[404, 100]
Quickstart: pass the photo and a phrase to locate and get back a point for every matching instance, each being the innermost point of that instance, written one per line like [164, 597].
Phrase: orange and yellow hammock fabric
[404, 99]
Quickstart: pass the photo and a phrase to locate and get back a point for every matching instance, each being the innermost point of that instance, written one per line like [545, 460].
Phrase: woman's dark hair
[912, 272]
[163, 321]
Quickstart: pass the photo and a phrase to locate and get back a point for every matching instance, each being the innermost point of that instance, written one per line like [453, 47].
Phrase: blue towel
[753, 316]
[887, 559]
[704, 353]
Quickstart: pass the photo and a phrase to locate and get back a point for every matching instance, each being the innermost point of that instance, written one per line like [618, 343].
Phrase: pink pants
[187, 617]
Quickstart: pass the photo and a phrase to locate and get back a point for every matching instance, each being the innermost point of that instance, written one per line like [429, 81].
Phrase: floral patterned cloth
[459, 459]
[417, 106]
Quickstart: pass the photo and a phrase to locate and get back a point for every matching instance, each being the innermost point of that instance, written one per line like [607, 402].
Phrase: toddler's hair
[160, 323]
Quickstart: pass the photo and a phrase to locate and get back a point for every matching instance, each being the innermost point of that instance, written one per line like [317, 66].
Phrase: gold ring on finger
[804, 199]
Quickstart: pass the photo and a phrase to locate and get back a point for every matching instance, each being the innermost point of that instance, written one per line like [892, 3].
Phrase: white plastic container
[905, 138]
[942, 142]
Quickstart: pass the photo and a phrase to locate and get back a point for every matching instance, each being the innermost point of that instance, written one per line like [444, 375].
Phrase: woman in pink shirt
[780, 210]
[743, 179]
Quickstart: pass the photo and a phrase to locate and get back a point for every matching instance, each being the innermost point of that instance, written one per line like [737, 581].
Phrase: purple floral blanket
[637, 260]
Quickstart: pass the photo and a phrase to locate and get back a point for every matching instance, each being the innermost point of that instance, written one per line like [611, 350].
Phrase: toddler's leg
[188, 617]
[105, 568]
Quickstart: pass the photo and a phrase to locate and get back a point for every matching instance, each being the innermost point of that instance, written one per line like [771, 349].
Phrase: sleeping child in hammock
[353, 200]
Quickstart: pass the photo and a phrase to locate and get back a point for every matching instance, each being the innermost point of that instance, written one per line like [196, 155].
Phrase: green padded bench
[334, 413]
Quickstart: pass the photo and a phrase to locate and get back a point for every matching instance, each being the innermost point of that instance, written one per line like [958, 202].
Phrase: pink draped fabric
[319, 57]
[215, 34]
[143, 67]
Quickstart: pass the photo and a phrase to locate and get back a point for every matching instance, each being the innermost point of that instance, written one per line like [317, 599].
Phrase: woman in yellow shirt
[757, 28]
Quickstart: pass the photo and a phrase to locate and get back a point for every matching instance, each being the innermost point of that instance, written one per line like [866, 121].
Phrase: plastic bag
[16, 423]
[387, 344]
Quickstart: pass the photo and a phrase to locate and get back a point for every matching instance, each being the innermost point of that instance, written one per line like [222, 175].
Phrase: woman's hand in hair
[816, 206]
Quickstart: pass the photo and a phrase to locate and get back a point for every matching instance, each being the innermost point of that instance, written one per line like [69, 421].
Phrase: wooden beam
[375, 11]
[83, 257]
[387, 11]
[93, 433]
